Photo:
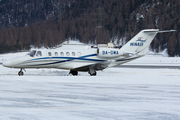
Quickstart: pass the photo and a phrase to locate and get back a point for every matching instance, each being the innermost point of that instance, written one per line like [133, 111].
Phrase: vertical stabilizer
[140, 42]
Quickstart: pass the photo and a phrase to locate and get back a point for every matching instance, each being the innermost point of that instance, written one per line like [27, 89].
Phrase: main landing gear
[74, 73]
[21, 73]
[92, 72]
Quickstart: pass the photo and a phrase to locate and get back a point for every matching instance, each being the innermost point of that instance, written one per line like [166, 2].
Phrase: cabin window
[49, 53]
[32, 53]
[62, 54]
[79, 53]
[39, 53]
[67, 53]
[73, 54]
[56, 53]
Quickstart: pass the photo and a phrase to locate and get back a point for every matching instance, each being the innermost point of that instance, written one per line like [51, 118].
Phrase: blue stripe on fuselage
[68, 59]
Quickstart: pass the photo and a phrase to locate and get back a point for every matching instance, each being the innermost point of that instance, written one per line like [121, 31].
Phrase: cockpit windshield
[32, 53]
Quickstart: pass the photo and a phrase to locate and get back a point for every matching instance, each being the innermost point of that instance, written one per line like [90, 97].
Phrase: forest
[48, 23]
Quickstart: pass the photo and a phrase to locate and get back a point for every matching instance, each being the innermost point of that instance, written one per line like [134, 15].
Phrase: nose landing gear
[21, 73]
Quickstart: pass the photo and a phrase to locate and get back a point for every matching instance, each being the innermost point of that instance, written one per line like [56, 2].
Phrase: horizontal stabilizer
[166, 31]
[157, 30]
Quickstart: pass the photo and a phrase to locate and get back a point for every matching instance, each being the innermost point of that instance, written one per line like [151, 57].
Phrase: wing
[97, 66]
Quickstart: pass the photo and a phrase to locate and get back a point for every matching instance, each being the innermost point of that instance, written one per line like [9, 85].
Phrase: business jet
[87, 60]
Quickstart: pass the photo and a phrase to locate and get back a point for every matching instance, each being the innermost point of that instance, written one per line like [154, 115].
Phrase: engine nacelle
[108, 52]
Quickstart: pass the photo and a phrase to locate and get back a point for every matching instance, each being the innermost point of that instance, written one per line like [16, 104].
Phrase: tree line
[97, 21]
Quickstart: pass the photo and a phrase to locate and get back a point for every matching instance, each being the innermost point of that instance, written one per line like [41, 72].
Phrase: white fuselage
[67, 59]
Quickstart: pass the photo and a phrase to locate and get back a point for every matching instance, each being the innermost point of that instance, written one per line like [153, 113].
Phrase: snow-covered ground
[114, 94]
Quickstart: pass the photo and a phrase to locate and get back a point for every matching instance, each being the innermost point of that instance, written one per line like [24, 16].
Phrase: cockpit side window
[39, 53]
[32, 53]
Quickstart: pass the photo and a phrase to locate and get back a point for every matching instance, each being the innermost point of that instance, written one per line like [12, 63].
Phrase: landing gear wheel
[20, 73]
[74, 73]
[93, 74]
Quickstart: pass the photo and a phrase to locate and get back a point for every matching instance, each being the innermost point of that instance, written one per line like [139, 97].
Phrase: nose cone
[7, 64]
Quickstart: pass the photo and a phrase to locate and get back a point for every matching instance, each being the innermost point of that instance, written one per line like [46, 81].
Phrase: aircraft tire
[20, 73]
[74, 73]
[93, 74]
